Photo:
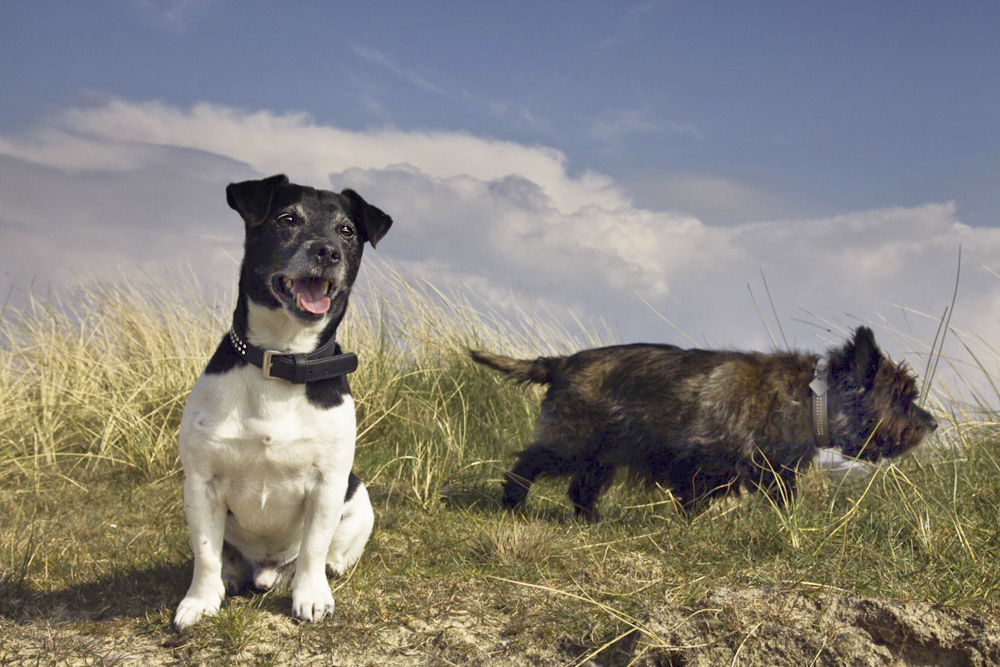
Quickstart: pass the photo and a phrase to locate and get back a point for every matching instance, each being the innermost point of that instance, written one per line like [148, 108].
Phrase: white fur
[277, 330]
[259, 449]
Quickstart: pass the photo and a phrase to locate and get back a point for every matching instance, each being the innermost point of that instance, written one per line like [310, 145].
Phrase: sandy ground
[727, 627]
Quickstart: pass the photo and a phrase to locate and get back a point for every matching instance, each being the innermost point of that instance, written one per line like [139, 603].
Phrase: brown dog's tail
[537, 371]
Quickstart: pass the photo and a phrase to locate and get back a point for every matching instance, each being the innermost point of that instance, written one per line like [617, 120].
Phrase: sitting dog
[702, 423]
[267, 436]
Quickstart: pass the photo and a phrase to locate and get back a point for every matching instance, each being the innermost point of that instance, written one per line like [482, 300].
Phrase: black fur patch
[353, 482]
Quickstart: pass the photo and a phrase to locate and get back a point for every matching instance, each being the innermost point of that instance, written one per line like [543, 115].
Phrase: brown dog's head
[873, 408]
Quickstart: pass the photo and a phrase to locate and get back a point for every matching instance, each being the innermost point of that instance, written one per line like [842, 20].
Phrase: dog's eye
[286, 219]
[346, 231]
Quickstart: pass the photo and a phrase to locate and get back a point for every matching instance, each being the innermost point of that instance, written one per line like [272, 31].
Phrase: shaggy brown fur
[702, 423]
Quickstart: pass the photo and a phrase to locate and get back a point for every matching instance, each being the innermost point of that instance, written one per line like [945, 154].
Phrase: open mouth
[309, 295]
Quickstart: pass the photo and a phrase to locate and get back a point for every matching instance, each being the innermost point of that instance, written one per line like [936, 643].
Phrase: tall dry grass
[99, 377]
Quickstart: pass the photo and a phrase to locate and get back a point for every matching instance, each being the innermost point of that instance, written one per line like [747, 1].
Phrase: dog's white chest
[262, 449]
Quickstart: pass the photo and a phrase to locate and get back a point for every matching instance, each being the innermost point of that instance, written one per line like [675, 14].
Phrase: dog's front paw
[193, 609]
[311, 603]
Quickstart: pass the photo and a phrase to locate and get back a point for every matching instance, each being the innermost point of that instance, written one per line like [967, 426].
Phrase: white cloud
[415, 78]
[714, 199]
[171, 15]
[114, 136]
[616, 125]
[513, 115]
[629, 26]
[128, 183]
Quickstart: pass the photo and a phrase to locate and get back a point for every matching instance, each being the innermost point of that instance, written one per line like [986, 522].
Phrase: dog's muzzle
[308, 294]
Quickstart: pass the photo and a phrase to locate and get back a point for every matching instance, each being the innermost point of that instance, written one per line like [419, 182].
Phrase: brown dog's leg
[587, 486]
[537, 459]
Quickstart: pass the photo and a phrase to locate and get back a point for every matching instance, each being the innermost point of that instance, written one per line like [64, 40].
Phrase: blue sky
[821, 107]
[601, 156]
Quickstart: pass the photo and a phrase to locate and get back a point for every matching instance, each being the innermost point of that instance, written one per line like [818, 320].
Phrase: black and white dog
[268, 432]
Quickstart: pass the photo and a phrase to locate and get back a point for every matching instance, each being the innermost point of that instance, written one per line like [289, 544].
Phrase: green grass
[94, 551]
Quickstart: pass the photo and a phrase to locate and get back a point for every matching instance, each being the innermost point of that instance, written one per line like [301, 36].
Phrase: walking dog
[267, 436]
[703, 423]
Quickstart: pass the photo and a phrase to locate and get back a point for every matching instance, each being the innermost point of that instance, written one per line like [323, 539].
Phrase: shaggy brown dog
[702, 423]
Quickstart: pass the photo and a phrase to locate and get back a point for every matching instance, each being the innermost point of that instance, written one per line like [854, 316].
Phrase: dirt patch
[726, 627]
[758, 627]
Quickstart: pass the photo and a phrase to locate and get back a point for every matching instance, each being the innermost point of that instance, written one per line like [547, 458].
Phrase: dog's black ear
[252, 199]
[863, 355]
[370, 220]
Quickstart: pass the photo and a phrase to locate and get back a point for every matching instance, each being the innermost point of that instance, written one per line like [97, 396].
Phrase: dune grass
[92, 532]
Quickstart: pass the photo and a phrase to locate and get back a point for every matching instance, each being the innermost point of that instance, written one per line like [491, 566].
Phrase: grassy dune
[93, 544]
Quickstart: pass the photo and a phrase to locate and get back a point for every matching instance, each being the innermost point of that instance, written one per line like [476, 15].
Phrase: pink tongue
[313, 300]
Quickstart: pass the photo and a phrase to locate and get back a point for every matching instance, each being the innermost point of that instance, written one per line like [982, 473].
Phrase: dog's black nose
[325, 252]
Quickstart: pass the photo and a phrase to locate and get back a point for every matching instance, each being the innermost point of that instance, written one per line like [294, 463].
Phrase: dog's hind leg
[236, 571]
[537, 459]
[352, 533]
[587, 485]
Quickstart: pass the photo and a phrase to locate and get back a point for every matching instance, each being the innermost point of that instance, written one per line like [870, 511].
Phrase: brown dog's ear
[855, 364]
[372, 222]
[864, 355]
[252, 199]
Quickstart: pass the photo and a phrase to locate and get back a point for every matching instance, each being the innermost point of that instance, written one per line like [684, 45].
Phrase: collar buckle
[266, 364]
[820, 386]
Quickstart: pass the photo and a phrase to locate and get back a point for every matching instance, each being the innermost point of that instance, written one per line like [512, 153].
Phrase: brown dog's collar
[323, 364]
[820, 406]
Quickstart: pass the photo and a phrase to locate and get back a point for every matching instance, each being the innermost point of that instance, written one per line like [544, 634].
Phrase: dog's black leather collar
[820, 407]
[323, 364]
